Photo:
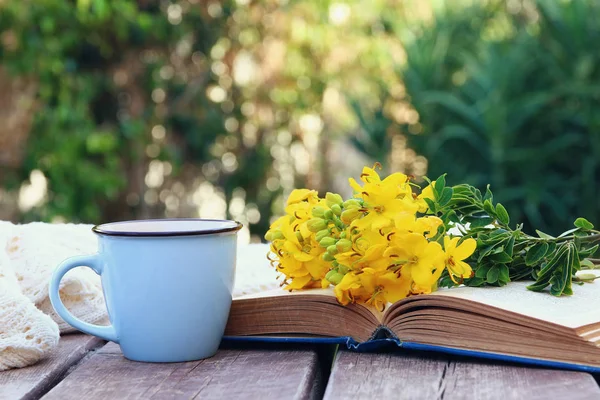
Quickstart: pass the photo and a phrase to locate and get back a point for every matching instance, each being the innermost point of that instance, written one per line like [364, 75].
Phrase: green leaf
[446, 196]
[474, 282]
[479, 222]
[501, 258]
[445, 281]
[588, 252]
[488, 194]
[487, 250]
[508, 248]
[503, 274]
[538, 286]
[554, 263]
[502, 214]
[544, 235]
[583, 223]
[566, 233]
[587, 263]
[431, 204]
[498, 250]
[492, 275]
[482, 271]
[536, 253]
[562, 274]
[488, 207]
[499, 233]
[451, 216]
[440, 184]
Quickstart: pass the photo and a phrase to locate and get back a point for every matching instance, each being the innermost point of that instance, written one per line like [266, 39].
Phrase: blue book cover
[391, 344]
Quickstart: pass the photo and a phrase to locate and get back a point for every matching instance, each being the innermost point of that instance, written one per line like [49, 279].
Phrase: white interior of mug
[167, 227]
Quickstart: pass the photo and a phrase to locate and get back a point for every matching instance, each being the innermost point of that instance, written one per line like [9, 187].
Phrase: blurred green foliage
[507, 93]
[149, 108]
[153, 108]
[96, 64]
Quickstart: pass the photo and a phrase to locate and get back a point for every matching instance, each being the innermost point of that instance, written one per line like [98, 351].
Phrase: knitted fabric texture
[29, 327]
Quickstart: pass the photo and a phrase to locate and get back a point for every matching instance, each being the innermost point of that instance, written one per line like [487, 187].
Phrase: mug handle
[93, 262]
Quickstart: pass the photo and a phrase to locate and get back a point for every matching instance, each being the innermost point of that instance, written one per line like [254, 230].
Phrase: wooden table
[87, 368]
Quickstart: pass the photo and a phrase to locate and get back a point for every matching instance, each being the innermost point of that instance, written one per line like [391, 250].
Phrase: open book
[510, 322]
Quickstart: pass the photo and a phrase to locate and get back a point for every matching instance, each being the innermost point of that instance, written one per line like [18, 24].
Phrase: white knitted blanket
[29, 327]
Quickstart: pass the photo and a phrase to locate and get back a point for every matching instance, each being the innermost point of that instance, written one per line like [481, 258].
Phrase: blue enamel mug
[167, 285]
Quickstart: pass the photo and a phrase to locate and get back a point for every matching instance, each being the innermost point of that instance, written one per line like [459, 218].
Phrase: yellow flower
[343, 290]
[373, 287]
[298, 255]
[374, 248]
[299, 195]
[362, 243]
[384, 287]
[369, 238]
[408, 223]
[374, 258]
[455, 254]
[423, 260]
[383, 199]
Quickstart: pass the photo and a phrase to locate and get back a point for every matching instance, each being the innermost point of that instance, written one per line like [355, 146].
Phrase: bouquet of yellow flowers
[387, 242]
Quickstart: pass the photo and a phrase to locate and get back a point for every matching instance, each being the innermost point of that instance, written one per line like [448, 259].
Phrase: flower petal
[298, 282]
[357, 188]
[465, 249]
[450, 244]
[299, 195]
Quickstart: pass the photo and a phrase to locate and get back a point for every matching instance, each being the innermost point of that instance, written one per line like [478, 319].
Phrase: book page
[254, 274]
[574, 311]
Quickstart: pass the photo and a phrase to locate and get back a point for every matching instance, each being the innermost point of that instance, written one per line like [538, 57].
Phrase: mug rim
[101, 229]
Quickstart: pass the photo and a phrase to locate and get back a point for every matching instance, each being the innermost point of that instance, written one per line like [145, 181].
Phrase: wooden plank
[31, 382]
[231, 373]
[382, 376]
[415, 376]
[482, 380]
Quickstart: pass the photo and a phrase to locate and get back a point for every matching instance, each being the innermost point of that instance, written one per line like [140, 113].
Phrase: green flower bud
[342, 269]
[330, 275]
[332, 250]
[343, 235]
[327, 241]
[333, 198]
[350, 215]
[318, 211]
[337, 210]
[273, 235]
[352, 203]
[322, 234]
[585, 276]
[316, 224]
[328, 214]
[344, 245]
[328, 257]
[334, 277]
